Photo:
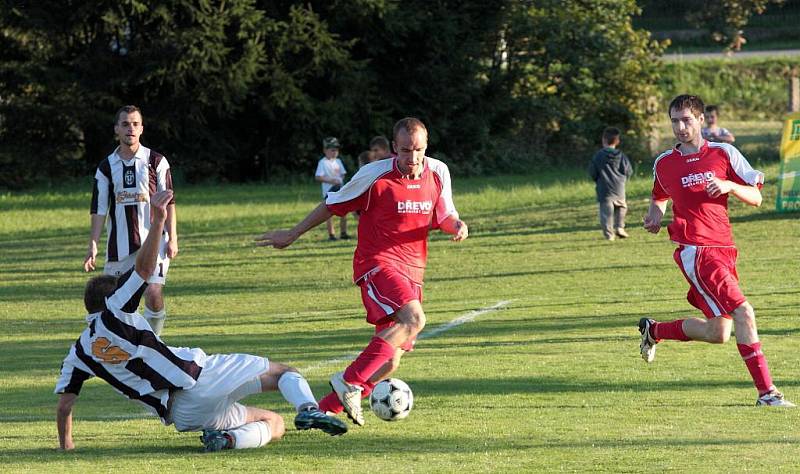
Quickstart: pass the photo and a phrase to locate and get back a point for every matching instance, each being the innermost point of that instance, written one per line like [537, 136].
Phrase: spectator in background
[364, 157]
[379, 147]
[331, 172]
[713, 132]
[610, 168]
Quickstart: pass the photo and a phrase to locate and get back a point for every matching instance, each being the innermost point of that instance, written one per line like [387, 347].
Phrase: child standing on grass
[713, 132]
[331, 172]
[610, 168]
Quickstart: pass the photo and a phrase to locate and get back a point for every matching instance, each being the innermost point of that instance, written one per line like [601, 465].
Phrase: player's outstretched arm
[283, 238]
[90, 261]
[455, 227]
[64, 420]
[147, 256]
[749, 195]
[652, 220]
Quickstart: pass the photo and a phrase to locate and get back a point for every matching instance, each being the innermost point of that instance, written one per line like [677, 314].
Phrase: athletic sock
[296, 391]
[155, 319]
[330, 402]
[251, 435]
[672, 330]
[377, 353]
[757, 366]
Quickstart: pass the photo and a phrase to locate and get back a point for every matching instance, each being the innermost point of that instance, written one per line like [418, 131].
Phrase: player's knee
[276, 426]
[719, 337]
[744, 314]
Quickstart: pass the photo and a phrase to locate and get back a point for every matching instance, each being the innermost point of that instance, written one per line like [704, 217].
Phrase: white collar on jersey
[141, 154]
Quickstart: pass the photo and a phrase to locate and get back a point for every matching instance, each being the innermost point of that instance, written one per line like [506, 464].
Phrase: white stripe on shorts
[371, 292]
[688, 257]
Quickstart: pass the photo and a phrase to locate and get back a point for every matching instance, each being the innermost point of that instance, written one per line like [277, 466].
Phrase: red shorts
[383, 292]
[713, 282]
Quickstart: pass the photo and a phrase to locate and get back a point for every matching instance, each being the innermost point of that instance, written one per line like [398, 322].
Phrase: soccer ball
[391, 400]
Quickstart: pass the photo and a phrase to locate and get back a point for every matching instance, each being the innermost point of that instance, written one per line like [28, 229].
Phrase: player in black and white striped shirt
[123, 184]
[183, 386]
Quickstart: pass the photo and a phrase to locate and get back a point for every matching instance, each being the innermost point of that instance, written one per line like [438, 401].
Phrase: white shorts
[212, 402]
[159, 276]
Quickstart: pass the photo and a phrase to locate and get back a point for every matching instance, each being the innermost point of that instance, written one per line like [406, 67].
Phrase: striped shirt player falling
[399, 201]
[699, 176]
[182, 386]
[123, 184]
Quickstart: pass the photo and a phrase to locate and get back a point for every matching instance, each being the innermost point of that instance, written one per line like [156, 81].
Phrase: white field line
[463, 319]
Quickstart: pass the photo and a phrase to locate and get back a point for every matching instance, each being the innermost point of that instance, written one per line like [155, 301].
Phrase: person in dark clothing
[610, 168]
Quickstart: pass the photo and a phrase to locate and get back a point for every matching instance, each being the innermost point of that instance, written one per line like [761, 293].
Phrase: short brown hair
[686, 101]
[128, 109]
[712, 108]
[611, 135]
[97, 290]
[364, 158]
[410, 125]
[380, 141]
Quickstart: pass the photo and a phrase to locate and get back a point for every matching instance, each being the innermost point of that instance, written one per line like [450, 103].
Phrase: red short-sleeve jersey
[396, 214]
[699, 219]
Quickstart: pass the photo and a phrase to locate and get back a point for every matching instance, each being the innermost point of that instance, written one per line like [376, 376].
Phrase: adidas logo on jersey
[696, 178]
[414, 207]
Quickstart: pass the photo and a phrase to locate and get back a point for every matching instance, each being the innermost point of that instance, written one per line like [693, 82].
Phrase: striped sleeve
[163, 172]
[444, 206]
[659, 193]
[130, 288]
[101, 191]
[73, 374]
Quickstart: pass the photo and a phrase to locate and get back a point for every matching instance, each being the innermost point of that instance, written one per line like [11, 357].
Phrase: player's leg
[747, 341]
[388, 296]
[331, 404]
[295, 389]
[606, 213]
[154, 311]
[259, 428]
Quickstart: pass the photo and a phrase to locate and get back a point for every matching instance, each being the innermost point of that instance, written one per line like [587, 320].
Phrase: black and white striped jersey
[122, 191]
[120, 348]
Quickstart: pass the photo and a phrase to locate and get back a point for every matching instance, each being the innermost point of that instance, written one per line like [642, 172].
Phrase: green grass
[552, 382]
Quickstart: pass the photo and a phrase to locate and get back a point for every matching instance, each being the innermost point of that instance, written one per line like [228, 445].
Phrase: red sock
[377, 353]
[757, 366]
[331, 403]
[671, 330]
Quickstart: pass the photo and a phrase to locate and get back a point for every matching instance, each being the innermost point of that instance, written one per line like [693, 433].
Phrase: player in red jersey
[399, 200]
[699, 176]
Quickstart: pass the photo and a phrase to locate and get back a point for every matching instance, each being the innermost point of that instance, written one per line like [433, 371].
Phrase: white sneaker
[773, 398]
[648, 345]
[350, 396]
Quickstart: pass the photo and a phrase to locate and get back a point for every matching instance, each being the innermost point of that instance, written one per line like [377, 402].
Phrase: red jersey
[698, 219]
[396, 214]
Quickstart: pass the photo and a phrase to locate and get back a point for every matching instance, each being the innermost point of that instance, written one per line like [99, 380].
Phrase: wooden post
[794, 91]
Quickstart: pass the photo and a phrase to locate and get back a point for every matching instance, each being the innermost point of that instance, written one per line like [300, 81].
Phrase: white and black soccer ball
[391, 400]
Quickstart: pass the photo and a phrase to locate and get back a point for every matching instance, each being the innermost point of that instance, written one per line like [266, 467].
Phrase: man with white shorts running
[183, 386]
[123, 184]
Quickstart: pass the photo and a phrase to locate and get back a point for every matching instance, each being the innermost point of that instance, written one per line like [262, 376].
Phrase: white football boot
[648, 345]
[350, 396]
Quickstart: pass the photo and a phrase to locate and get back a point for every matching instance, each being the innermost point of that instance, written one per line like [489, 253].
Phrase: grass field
[550, 381]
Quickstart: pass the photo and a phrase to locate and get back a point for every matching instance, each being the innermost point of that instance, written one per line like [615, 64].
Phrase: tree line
[241, 90]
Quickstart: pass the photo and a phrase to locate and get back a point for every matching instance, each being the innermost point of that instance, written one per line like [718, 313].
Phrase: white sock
[251, 435]
[296, 391]
[155, 319]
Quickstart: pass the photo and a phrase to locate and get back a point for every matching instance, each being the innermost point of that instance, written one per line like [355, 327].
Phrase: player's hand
[278, 239]
[338, 181]
[172, 248]
[158, 204]
[717, 187]
[91, 256]
[651, 224]
[462, 231]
